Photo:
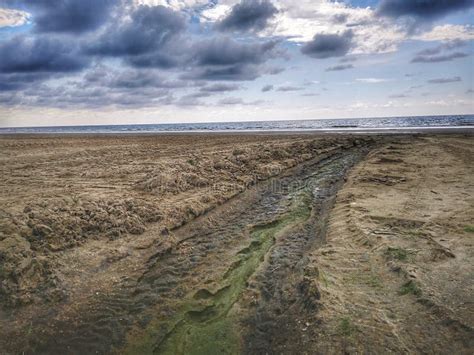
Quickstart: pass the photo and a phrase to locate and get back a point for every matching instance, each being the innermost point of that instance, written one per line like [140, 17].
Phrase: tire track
[257, 242]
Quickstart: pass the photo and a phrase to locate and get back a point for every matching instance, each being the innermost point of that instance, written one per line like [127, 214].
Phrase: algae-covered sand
[219, 243]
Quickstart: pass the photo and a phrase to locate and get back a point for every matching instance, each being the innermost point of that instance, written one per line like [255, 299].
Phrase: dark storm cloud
[39, 54]
[8, 98]
[155, 38]
[438, 53]
[143, 40]
[17, 81]
[231, 101]
[100, 86]
[148, 39]
[148, 30]
[132, 79]
[443, 47]
[154, 60]
[328, 45]
[221, 51]
[66, 15]
[267, 88]
[422, 9]
[192, 99]
[115, 80]
[215, 88]
[89, 96]
[248, 15]
[223, 58]
[275, 70]
[199, 95]
[445, 80]
[438, 58]
[399, 96]
[340, 67]
[8, 85]
[348, 59]
[289, 88]
[228, 73]
[106, 86]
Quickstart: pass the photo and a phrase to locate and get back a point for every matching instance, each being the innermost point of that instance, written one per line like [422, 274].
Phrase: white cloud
[372, 80]
[300, 21]
[175, 4]
[447, 33]
[449, 103]
[215, 13]
[303, 19]
[12, 18]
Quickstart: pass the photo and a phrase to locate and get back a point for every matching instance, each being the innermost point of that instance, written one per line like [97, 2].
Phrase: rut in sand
[233, 281]
[248, 267]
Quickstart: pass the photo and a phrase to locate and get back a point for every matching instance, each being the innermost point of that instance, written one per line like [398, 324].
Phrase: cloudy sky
[66, 62]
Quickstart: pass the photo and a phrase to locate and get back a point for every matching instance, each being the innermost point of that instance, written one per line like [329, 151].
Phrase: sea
[422, 123]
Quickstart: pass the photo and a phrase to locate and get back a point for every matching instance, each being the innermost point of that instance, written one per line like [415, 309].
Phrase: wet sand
[229, 243]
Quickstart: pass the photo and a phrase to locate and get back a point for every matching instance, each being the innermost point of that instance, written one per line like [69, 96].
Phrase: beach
[236, 243]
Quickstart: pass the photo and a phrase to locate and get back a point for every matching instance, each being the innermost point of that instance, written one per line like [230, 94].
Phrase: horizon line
[224, 122]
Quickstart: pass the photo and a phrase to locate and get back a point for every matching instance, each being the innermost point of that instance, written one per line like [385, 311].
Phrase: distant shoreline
[353, 125]
[316, 131]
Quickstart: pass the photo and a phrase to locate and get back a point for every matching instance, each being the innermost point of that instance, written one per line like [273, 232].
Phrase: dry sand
[397, 272]
[125, 243]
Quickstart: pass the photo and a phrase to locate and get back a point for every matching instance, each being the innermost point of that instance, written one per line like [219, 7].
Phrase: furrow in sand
[228, 276]
[215, 315]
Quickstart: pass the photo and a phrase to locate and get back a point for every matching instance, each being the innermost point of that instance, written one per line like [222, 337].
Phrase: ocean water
[353, 124]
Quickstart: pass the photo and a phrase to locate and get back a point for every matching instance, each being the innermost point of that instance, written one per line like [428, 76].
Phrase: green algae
[206, 322]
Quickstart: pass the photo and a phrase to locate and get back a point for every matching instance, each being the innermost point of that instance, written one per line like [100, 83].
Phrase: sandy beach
[236, 243]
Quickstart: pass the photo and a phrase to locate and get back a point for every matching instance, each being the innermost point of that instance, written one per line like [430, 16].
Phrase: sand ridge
[396, 274]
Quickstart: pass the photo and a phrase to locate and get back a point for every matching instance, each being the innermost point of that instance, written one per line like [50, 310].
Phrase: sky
[81, 62]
